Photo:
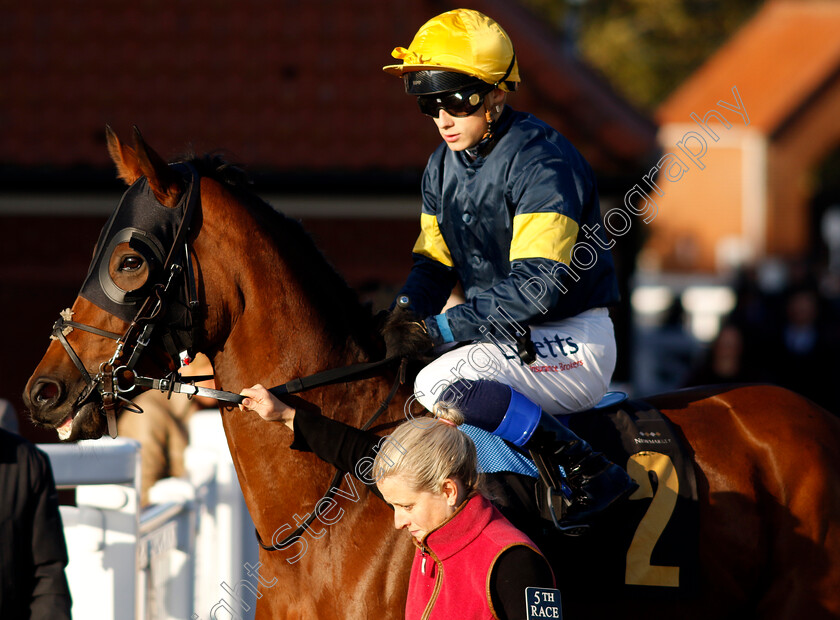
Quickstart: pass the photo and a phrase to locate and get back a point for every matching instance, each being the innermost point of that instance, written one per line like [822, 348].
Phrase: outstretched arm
[339, 444]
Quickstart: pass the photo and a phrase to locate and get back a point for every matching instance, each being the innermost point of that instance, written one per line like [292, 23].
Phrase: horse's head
[135, 292]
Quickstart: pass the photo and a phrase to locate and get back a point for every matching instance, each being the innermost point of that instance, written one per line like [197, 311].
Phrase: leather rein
[115, 379]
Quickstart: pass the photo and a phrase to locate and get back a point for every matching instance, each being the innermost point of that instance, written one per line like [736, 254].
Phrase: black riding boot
[589, 484]
[594, 483]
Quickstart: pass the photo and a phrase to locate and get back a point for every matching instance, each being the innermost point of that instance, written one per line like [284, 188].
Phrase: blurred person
[33, 553]
[8, 416]
[509, 205]
[757, 305]
[803, 349]
[726, 361]
[163, 427]
[664, 354]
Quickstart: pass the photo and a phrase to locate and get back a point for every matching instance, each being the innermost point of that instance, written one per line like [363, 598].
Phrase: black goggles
[460, 103]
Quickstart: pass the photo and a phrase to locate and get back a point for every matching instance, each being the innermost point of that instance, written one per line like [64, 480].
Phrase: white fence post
[174, 560]
[102, 530]
[226, 541]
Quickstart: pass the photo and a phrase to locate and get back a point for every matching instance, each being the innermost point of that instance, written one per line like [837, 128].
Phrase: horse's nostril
[46, 392]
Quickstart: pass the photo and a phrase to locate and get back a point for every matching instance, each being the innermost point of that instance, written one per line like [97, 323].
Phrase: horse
[266, 307]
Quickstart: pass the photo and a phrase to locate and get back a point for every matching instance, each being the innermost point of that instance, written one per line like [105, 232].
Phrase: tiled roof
[281, 85]
[778, 60]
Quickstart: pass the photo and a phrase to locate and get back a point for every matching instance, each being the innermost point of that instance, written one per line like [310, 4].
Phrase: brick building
[750, 183]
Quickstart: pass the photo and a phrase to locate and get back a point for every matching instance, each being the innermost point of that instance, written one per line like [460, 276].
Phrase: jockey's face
[461, 133]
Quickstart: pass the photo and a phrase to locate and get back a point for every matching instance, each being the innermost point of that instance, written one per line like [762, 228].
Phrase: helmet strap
[507, 73]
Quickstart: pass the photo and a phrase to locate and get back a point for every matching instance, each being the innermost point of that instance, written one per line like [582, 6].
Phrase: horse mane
[332, 298]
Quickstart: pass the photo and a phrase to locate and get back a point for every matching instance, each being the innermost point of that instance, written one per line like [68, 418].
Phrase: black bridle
[114, 377]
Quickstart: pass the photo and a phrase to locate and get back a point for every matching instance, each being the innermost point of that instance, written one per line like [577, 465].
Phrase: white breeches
[575, 362]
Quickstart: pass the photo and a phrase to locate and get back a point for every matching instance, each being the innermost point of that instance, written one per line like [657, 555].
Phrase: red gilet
[450, 575]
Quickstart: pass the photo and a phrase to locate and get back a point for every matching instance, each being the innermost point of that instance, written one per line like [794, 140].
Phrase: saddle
[656, 527]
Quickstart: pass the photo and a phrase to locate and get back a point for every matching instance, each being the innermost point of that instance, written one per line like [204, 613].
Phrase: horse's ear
[163, 181]
[124, 157]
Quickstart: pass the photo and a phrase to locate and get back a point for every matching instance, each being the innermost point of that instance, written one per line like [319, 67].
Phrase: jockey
[510, 209]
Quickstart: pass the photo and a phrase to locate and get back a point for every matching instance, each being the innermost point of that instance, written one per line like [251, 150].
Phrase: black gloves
[405, 335]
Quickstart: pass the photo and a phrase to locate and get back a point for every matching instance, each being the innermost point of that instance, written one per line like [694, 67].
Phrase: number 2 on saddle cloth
[649, 540]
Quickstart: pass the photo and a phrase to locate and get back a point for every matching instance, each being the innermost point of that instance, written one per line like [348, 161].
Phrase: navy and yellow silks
[507, 224]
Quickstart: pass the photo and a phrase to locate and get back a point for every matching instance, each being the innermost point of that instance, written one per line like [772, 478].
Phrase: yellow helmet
[462, 41]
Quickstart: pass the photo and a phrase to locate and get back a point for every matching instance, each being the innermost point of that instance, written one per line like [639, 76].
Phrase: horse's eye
[131, 263]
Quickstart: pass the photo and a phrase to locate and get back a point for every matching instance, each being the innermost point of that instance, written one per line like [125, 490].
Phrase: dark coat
[33, 553]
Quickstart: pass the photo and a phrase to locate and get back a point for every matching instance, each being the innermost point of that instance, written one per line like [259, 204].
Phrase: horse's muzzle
[52, 404]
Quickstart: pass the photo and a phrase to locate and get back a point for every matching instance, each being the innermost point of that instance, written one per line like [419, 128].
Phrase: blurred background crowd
[779, 323]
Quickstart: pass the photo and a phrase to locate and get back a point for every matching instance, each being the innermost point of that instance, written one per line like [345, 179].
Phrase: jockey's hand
[268, 406]
[405, 335]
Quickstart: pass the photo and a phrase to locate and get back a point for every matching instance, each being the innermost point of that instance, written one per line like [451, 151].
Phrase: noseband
[115, 378]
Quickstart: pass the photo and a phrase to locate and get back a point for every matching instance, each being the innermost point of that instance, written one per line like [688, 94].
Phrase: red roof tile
[777, 60]
[281, 85]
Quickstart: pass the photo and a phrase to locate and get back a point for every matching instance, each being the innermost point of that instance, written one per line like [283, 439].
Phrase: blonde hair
[428, 450]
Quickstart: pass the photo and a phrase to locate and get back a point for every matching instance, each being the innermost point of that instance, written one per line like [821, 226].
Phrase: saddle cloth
[657, 527]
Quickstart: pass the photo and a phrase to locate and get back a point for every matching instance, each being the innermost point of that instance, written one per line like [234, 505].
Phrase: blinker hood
[148, 227]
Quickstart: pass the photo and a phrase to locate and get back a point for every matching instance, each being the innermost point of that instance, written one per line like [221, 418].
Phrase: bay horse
[267, 308]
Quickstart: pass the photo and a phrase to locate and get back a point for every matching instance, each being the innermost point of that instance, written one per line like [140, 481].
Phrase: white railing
[178, 558]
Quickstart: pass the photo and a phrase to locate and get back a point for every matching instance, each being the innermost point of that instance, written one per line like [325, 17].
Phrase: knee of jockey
[494, 407]
[430, 386]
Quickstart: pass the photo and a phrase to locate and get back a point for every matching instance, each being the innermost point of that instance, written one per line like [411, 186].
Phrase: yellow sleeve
[430, 243]
[543, 235]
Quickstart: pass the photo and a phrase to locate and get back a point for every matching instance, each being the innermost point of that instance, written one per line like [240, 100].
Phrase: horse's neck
[262, 325]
